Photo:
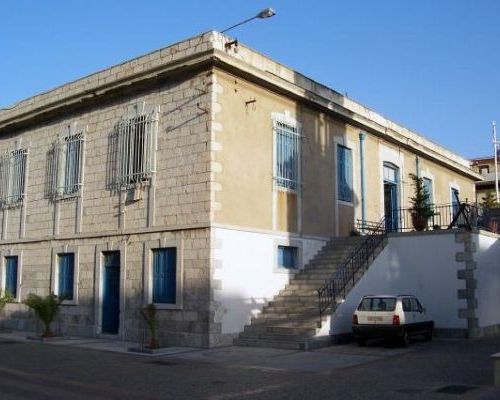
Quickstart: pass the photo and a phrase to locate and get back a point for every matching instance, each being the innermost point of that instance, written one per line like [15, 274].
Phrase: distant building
[199, 177]
[485, 166]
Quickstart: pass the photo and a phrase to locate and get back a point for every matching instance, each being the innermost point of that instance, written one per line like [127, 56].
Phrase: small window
[406, 304]
[287, 257]
[66, 274]
[287, 145]
[165, 275]
[12, 176]
[68, 154]
[344, 173]
[11, 271]
[136, 144]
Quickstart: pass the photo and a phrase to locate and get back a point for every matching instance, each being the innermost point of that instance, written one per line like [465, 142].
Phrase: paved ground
[44, 371]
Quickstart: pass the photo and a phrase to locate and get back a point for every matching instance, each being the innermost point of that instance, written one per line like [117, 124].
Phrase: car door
[418, 313]
[408, 318]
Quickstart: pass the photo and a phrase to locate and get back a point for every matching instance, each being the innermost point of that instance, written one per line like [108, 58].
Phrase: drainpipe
[362, 137]
[417, 166]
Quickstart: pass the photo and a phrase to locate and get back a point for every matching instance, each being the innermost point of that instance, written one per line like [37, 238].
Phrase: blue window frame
[344, 173]
[165, 275]
[428, 188]
[66, 275]
[287, 155]
[288, 257]
[11, 276]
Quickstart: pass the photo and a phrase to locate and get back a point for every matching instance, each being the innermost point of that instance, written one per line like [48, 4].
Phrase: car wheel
[428, 335]
[405, 339]
[361, 342]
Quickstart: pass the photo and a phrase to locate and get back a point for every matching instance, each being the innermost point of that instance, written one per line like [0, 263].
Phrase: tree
[421, 208]
[45, 308]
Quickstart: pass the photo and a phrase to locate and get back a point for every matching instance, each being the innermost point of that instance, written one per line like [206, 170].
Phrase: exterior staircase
[292, 320]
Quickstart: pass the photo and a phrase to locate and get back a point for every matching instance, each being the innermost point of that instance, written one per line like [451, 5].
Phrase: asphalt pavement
[442, 369]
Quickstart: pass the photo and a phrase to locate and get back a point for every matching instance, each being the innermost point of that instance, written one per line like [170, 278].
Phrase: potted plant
[150, 317]
[421, 208]
[46, 309]
[7, 298]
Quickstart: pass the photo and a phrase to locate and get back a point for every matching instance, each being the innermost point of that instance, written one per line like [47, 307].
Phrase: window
[455, 201]
[406, 304]
[68, 160]
[287, 153]
[66, 275]
[11, 272]
[344, 173]
[136, 144]
[378, 304]
[288, 257]
[484, 169]
[12, 177]
[428, 188]
[165, 275]
[415, 305]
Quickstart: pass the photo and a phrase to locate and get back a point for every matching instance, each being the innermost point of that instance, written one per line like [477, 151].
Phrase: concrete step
[280, 329]
[306, 344]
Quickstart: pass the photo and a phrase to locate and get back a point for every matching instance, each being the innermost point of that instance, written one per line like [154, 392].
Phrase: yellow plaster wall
[246, 159]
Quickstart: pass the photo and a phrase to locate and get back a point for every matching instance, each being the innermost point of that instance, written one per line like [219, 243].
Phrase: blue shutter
[11, 276]
[344, 173]
[66, 275]
[164, 275]
[287, 257]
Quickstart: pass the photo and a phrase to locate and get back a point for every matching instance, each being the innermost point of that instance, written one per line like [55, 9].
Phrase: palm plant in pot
[150, 318]
[46, 309]
[421, 208]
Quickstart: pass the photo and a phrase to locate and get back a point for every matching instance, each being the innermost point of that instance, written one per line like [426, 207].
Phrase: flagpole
[495, 144]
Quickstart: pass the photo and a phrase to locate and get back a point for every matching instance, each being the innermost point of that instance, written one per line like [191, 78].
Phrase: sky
[430, 65]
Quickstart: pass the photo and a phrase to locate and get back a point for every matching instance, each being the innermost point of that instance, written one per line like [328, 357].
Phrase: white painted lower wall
[423, 265]
[247, 271]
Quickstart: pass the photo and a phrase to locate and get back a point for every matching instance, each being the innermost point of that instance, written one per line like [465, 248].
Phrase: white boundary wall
[487, 275]
[248, 274]
[423, 265]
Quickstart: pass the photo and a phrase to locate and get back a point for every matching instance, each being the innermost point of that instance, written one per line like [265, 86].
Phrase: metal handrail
[348, 270]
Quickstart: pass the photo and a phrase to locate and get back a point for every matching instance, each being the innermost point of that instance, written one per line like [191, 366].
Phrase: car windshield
[378, 304]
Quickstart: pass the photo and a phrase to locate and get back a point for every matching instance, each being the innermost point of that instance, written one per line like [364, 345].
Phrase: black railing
[444, 216]
[347, 272]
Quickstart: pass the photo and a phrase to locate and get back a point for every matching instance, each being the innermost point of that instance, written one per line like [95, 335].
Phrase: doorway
[111, 293]
[391, 191]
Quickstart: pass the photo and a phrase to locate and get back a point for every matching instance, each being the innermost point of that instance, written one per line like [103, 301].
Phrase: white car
[391, 316]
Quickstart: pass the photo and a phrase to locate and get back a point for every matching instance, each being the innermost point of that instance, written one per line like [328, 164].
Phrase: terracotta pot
[419, 222]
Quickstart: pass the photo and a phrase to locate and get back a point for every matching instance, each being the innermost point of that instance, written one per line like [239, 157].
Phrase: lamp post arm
[239, 23]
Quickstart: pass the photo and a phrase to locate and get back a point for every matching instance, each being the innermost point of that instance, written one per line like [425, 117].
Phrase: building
[485, 166]
[199, 177]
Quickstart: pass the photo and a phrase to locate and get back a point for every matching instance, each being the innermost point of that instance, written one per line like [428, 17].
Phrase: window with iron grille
[68, 160]
[12, 177]
[287, 150]
[344, 173]
[136, 146]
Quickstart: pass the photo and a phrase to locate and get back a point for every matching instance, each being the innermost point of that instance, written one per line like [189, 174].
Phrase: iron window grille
[287, 152]
[68, 165]
[136, 149]
[12, 177]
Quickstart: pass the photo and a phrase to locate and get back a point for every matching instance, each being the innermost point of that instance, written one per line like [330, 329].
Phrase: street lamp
[266, 13]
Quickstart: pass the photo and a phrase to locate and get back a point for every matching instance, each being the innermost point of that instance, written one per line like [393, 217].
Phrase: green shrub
[45, 308]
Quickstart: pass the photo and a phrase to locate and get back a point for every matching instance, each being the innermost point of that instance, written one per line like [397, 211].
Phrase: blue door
[391, 211]
[111, 293]
[11, 276]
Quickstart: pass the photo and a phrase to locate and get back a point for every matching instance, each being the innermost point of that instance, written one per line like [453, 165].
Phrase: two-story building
[198, 177]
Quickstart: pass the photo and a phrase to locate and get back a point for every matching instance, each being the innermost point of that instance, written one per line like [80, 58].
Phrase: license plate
[374, 319]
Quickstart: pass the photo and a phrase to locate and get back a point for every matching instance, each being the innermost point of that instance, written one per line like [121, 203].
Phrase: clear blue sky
[431, 65]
